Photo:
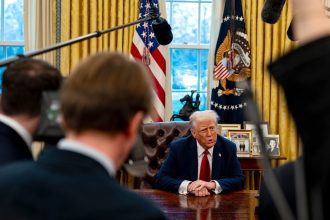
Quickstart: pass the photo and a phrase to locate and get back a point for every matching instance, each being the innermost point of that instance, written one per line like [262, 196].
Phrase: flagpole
[75, 40]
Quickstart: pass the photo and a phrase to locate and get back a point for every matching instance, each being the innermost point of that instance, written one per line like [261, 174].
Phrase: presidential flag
[146, 48]
[232, 64]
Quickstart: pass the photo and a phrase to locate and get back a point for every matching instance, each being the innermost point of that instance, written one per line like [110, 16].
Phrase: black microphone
[272, 10]
[290, 32]
[162, 29]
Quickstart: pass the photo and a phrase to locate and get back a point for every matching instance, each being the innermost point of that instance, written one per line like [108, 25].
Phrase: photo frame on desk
[273, 144]
[255, 149]
[223, 129]
[243, 141]
[247, 125]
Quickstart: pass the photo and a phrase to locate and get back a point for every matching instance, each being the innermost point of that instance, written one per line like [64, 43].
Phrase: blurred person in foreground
[103, 103]
[201, 163]
[23, 83]
[304, 74]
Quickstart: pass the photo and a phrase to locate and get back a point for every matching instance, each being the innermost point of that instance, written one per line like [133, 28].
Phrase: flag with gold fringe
[232, 65]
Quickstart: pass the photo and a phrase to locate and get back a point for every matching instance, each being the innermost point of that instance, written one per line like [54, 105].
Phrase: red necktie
[205, 173]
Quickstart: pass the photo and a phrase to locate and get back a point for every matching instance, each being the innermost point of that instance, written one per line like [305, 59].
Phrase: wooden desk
[253, 171]
[235, 205]
[252, 162]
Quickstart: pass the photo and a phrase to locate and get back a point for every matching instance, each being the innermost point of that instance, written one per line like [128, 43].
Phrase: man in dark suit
[303, 74]
[201, 163]
[22, 86]
[103, 103]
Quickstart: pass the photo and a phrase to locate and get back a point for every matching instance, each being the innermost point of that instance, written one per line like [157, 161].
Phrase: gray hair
[203, 115]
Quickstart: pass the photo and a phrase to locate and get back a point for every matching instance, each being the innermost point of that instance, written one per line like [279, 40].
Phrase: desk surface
[259, 157]
[235, 205]
[253, 162]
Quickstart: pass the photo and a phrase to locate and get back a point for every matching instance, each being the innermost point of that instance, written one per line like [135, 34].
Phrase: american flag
[220, 71]
[146, 48]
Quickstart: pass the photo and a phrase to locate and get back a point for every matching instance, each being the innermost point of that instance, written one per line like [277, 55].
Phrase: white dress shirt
[183, 189]
[90, 152]
[21, 131]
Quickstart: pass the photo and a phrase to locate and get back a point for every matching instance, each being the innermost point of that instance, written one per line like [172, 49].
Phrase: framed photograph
[223, 129]
[250, 126]
[273, 144]
[242, 139]
[255, 150]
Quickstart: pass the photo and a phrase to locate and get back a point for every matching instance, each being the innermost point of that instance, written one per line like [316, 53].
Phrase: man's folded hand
[201, 188]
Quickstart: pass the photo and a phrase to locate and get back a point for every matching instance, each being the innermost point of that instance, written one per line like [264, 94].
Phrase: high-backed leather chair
[156, 137]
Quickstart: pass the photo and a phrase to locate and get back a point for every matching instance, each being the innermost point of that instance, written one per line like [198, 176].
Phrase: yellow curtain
[38, 27]
[80, 17]
[267, 43]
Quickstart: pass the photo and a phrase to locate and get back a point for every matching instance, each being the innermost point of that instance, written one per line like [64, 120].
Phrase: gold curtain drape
[267, 43]
[38, 27]
[80, 17]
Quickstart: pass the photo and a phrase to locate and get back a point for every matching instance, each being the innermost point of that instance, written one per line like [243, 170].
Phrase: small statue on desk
[189, 106]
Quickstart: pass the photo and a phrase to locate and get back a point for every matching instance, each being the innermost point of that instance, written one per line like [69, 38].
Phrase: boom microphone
[272, 10]
[162, 30]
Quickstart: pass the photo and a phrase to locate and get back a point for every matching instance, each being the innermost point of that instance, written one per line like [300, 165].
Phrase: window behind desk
[11, 29]
[190, 21]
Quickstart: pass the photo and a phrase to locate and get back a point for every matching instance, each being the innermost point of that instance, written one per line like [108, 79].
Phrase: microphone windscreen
[290, 33]
[163, 32]
[272, 10]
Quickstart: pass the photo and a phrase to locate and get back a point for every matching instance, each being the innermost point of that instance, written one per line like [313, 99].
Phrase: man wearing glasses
[202, 162]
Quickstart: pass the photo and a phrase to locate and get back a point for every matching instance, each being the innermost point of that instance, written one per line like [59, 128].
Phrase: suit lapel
[193, 159]
[217, 162]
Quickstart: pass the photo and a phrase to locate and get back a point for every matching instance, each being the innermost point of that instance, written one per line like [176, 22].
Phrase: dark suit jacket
[12, 146]
[182, 164]
[304, 75]
[67, 185]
